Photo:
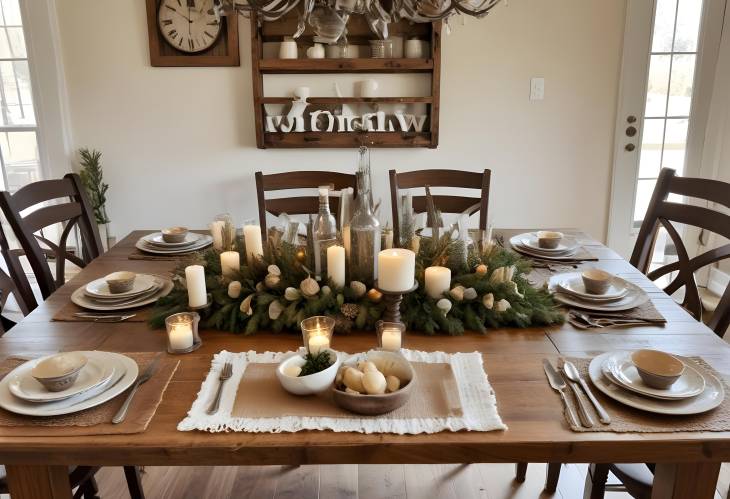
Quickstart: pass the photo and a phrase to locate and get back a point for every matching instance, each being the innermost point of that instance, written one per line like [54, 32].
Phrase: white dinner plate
[623, 372]
[100, 289]
[203, 241]
[531, 241]
[572, 284]
[710, 398]
[23, 385]
[516, 243]
[634, 297]
[79, 298]
[157, 240]
[125, 373]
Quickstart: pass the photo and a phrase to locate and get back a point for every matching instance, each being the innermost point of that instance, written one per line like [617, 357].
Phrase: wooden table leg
[685, 480]
[38, 482]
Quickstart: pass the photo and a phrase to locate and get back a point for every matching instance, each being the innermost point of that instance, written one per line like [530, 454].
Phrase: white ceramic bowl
[307, 385]
[59, 372]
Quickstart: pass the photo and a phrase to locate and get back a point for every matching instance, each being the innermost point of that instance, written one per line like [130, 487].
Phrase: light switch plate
[537, 88]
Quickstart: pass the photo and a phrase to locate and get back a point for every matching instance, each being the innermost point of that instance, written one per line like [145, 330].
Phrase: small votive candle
[317, 333]
[195, 279]
[437, 281]
[230, 263]
[390, 335]
[182, 332]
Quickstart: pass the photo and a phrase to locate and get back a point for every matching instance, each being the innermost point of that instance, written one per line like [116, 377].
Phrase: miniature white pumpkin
[292, 294]
[326, 290]
[488, 301]
[272, 280]
[246, 307]
[470, 293]
[358, 288]
[444, 305]
[309, 287]
[234, 289]
[457, 293]
[374, 382]
[273, 269]
[275, 310]
[366, 366]
[353, 379]
[392, 384]
[502, 305]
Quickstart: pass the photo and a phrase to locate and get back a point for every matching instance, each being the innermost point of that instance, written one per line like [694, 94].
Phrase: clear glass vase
[324, 232]
[365, 229]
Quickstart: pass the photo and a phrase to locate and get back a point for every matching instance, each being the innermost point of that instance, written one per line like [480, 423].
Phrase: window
[667, 113]
[19, 157]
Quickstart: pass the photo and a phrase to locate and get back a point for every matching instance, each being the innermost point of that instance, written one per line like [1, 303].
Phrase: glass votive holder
[317, 333]
[390, 335]
[182, 332]
[381, 49]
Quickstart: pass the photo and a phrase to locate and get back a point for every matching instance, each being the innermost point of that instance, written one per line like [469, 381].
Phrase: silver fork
[225, 374]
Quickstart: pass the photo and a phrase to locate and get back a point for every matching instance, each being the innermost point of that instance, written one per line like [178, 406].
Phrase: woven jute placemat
[97, 420]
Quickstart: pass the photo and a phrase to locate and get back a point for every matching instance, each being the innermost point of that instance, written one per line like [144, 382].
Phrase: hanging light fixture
[328, 18]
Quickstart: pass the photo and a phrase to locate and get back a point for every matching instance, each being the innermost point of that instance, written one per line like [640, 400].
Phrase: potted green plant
[92, 176]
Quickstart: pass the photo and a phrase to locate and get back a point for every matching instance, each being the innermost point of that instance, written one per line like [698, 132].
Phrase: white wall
[179, 143]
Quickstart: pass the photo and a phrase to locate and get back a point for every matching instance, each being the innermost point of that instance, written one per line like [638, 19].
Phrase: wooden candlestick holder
[392, 301]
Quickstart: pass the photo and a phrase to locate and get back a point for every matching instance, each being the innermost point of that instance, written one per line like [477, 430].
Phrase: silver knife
[146, 375]
[558, 384]
[602, 414]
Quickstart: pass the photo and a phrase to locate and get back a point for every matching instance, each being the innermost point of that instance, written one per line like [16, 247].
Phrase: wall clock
[187, 33]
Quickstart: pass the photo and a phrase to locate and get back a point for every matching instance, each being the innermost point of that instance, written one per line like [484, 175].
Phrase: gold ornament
[301, 256]
[481, 269]
[374, 295]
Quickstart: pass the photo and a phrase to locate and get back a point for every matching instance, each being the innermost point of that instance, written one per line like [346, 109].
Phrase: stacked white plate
[153, 243]
[96, 295]
[694, 392]
[527, 244]
[105, 375]
[622, 295]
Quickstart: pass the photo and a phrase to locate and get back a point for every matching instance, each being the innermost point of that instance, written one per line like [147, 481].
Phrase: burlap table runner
[260, 395]
[625, 419]
[66, 313]
[97, 420]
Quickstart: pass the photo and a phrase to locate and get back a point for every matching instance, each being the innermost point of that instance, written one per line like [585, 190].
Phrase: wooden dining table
[687, 463]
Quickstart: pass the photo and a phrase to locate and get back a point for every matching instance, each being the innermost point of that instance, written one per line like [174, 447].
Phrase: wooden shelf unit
[358, 34]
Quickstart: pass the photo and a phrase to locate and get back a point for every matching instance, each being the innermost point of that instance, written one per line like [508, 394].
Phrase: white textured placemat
[478, 402]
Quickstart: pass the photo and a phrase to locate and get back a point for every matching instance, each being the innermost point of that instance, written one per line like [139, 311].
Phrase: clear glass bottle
[324, 233]
[364, 234]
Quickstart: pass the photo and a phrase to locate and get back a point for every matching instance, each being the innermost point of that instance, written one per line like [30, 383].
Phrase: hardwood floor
[350, 481]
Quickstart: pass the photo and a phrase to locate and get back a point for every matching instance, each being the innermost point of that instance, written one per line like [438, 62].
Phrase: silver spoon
[572, 373]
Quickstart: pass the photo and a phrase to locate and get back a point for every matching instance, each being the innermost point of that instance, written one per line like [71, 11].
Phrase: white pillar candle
[230, 263]
[317, 343]
[437, 280]
[180, 335]
[391, 339]
[336, 265]
[195, 278]
[396, 269]
[252, 240]
[216, 230]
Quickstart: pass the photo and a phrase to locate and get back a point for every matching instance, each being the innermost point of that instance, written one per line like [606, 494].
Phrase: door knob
[629, 147]
[630, 131]
[631, 119]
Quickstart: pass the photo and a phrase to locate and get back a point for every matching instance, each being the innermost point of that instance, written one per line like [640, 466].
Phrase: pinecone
[343, 324]
[350, 310]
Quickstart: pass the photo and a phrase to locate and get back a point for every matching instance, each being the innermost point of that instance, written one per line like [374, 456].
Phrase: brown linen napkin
[66, 313]
[646, 312]
[260, 395]
[625, 419]
[97, 420]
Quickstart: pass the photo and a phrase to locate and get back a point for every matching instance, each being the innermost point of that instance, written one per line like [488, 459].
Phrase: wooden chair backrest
[446, 204]
[663, 213]
[298, 205]
[74, 211]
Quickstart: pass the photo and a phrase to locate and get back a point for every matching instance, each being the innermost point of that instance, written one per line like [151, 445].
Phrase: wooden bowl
[549, 239]
[389, 363]
[59, 372]
[174, 234]
[657, 369]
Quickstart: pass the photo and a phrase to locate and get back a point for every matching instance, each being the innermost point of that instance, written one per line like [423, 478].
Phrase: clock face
[188, 25]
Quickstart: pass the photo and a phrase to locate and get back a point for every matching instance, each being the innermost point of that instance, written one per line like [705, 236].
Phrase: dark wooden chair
[299, 205]
[665, 213]
[444, 203]
[13, 282]
[73, 209]
[637, 478]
